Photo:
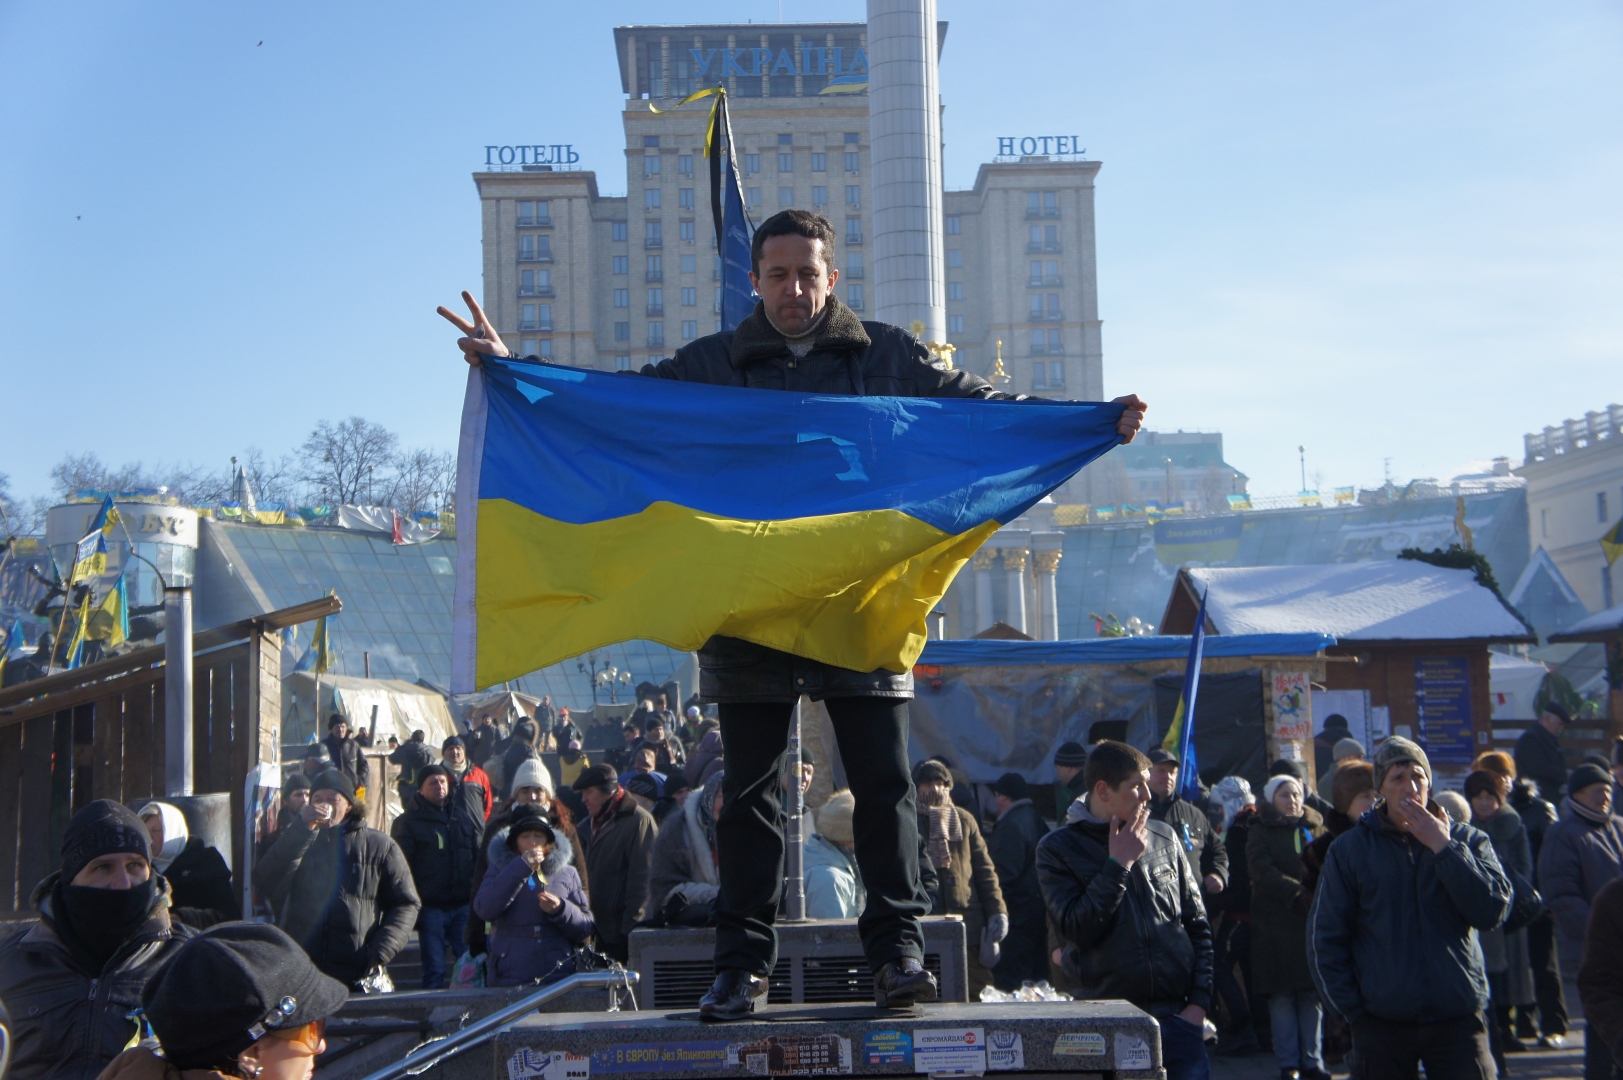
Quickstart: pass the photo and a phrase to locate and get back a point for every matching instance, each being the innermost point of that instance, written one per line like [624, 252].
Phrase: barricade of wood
[97, 732]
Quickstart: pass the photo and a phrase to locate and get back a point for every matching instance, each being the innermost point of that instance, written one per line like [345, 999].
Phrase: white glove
[998, 927]
[989, 947]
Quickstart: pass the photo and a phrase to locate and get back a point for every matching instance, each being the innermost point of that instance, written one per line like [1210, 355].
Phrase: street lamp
[609, 677]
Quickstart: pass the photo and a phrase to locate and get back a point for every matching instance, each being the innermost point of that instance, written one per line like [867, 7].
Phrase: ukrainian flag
[596, 508]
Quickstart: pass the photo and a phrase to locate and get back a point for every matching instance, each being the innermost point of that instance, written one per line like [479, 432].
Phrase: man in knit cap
[1068, 787]
[72, 979]
[1390, 940]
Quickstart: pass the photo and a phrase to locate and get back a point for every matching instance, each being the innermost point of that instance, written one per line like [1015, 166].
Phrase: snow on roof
[1598, 627]
[1401, 600]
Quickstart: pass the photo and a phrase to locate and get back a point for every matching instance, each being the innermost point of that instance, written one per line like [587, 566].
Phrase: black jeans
[1394, 1049]
[1234, 947]
[1546, 962]
[872, 733]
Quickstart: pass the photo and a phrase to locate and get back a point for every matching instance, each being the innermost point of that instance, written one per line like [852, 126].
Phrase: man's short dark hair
[633, 727]
[1112, 762]
[793, 223]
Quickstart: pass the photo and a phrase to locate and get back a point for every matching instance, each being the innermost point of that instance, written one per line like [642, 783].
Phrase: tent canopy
[1124, 650]
[386, 706]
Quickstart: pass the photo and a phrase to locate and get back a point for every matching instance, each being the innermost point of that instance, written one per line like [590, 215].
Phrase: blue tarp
[992, 653]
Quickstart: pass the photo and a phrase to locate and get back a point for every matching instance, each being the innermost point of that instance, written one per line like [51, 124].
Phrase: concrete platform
[1091, 1038]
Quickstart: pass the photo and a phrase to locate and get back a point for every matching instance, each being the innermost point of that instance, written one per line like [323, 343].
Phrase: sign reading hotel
[1032, 145]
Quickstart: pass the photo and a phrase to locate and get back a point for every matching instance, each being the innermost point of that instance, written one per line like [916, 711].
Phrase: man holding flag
[800, 338]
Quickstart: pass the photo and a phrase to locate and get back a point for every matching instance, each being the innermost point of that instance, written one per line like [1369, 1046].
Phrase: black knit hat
[1011, 785]
[1587, 775]
[528, 817]
[297, 782]
[596, 776]
[932, 771]
[640, 783]
[1288, 767]
[450, 741]
[102, 828]
[334, 780]
[1557, 709]
[431, 770]
[229, 987]
[1072, 755]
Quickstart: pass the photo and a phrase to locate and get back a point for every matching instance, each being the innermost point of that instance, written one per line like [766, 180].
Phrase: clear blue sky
[1382, 229]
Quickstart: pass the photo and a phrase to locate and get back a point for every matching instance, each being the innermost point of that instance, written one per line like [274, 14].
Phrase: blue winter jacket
[1391, 934]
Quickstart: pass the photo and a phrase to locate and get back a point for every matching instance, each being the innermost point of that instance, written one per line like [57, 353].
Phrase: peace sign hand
[478, 336]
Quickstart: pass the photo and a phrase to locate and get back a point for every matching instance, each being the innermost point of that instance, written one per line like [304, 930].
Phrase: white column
[904, 107]
[983, 589]
[1014, 568]
[1046, 557]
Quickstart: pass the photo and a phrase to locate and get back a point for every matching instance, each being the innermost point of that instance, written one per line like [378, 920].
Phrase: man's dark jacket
[346, 757]
[1194, 831]
[411, 756]
[201, 883]
[1012, 843]
[344, 892]
[441, 845]
[850, 357]
[1389, 934]
[1600, 978]
[1539, 758]
[619, 862]
[1139, 934]
[68, 1022]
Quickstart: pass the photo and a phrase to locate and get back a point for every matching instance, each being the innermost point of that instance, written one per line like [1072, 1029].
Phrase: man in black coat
[801, 338]
[1124, 897]
[345, 751]
[413, 756]
[439, 835]
[1538, 752]
[1188, 822]
[340, 889]
[1012, 843]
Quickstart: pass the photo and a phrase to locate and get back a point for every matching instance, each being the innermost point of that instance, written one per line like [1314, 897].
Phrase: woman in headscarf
[241, 1000]
[197, 874]
[684, 881]
[532, 786]
[969, 885]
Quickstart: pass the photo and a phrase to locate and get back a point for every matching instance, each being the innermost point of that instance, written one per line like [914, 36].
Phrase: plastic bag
[376, 981]
[469, 970]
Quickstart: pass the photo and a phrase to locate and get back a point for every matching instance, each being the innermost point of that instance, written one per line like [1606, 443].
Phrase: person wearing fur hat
[197, 874]
[684, 881]
[533, 900]
[1392, 932]
[439, 835]
[1286, 827]
[72, 978]
[240, 1000]
[833, 885]
[340, 889]
[968, 879]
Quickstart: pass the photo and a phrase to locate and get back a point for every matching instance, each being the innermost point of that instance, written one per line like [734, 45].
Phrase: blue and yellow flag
[110, 622]
[107, 518]
[1180, 739]
[90, 556]
[81, 632]
[1611, 545]
[318, 658]
[825, 526]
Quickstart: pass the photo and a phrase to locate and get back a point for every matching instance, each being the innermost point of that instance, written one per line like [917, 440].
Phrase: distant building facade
[616, 282]
[1574, 476]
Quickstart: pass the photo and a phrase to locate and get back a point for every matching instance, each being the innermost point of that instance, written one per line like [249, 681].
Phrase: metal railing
[436, 1051]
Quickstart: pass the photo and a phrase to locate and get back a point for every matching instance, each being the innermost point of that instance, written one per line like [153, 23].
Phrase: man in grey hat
[1068, 786]
[1390, 939]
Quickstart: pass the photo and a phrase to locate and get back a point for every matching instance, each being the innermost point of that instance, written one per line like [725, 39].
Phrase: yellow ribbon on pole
[709, 131]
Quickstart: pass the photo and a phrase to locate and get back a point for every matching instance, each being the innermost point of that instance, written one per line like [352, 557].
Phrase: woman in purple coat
[533, 899]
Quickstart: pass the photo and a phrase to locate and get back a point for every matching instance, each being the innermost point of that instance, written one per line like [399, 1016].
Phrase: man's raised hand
[478, 336]
[1132, 417]
[1129, 839]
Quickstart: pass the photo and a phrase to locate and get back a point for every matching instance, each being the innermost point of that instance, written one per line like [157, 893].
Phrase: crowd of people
[1362, 916]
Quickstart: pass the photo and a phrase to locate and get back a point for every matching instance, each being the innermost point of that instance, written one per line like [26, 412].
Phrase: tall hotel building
[614, 282]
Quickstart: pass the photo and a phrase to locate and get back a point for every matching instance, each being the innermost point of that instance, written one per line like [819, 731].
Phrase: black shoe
[732, 996]
[903, 982]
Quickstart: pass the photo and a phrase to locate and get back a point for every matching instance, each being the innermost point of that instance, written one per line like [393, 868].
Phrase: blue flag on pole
[733, 226]
[1180, 738]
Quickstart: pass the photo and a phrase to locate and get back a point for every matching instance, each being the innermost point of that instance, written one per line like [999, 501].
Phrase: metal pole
[794, 857]
[438, 1050]
[177, 714]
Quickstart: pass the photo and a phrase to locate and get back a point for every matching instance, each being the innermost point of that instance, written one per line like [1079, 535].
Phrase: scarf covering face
[1586, 813]
[945, 828]
[95, 923]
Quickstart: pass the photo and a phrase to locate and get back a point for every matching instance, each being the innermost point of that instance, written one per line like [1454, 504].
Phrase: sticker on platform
[793, 1055]
[1132, 1052]
[950, 1052]
[660, 1057]
[887, 1048]
[1004, 1050]
[1080, 1044]
[548, 1065]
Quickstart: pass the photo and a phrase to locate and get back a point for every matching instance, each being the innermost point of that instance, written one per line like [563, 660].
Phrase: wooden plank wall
[107, 742]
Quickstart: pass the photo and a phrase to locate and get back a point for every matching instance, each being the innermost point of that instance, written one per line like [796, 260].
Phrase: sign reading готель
[1032, 145]
[540, 154]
